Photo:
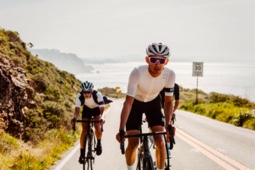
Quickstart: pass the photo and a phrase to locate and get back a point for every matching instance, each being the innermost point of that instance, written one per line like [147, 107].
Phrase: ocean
[227, 78]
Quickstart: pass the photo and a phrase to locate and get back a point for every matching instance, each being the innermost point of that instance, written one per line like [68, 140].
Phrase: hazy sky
[219, 30]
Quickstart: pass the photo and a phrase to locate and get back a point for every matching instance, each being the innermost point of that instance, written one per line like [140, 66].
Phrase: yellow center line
[216, 156]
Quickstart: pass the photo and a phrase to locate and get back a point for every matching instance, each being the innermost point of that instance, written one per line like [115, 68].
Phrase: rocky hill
[35, 96]
[64, 61]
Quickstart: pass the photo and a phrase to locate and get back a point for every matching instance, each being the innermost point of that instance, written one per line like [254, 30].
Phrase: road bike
[144, 158]
[89, 143]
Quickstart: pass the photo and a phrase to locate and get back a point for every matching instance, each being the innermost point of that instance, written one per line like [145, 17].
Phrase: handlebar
[145, 134]
[122, 145]
[88, 121]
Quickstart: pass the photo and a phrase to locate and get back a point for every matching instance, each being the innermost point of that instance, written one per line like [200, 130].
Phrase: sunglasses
[154, 60]
[86, 92]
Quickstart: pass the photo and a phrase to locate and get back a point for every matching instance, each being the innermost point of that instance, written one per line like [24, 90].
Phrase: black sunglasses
[86, 92]
[154, 60]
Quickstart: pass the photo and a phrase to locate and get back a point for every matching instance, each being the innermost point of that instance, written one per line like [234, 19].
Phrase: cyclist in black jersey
[144, 86]
[93, 105]
[175, 107]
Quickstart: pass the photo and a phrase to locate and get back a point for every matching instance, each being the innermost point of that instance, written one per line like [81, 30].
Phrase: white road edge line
[64, 161]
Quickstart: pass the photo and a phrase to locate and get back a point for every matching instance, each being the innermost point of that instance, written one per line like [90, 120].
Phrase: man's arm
[176, 105]
[103, 115]
[168, 109]
[125, 111]
[76, 112]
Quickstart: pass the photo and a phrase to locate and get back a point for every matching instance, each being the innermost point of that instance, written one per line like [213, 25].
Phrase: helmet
[158, 49]
[87, 86]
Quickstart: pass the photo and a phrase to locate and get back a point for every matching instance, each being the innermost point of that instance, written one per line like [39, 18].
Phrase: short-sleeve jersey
[90, 103]
[176, 93]
[143, 87]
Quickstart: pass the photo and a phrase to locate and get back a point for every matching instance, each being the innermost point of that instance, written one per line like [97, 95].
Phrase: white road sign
[197, 69]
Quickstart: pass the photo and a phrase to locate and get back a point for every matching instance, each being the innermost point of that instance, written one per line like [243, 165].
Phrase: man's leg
[83, 134]
[131, 148]
[98, 133]
[97, 126]
[160, 147]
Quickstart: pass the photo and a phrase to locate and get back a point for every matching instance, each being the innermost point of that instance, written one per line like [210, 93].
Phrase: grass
[23, 156]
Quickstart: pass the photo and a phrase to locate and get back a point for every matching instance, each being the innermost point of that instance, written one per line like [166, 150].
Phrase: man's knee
[133, 144]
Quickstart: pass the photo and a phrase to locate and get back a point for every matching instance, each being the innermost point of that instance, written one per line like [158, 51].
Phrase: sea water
[228, 78]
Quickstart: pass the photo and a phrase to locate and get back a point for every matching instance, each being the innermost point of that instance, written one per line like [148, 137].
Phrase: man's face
[156, 64]
[86, 94]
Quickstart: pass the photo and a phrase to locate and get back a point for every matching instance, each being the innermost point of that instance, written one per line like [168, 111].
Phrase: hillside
[36, 100]
[64, 61]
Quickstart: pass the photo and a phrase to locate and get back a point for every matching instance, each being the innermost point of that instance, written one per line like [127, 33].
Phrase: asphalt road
[201, 144]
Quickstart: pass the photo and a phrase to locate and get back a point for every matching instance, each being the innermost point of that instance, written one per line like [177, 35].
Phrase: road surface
[201, 144]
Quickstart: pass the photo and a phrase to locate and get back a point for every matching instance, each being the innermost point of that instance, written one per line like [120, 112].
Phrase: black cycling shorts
[88, 112]
[152, 111]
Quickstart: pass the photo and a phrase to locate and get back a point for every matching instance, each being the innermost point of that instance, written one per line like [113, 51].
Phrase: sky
[198, 30]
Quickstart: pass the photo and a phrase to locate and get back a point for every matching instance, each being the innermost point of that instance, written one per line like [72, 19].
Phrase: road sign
[197, 69]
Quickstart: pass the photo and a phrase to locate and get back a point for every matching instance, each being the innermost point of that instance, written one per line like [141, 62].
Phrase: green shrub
[26, 162]
[250, 123]
[7, 143]
[241, 118]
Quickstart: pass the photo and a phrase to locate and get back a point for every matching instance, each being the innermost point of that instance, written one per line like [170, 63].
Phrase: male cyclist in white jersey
[93, 105]
[145, 83]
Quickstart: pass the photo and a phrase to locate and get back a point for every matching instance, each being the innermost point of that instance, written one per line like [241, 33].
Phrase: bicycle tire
[85, 148]
[90, 164]
[148, 164]
[94, 143]
[139, 165]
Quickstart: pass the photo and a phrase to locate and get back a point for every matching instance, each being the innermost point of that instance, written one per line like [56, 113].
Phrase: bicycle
[89, 143]
[145, 161]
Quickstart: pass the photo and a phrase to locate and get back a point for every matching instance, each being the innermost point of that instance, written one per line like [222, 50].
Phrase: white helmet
[158, 49]
[87, 86]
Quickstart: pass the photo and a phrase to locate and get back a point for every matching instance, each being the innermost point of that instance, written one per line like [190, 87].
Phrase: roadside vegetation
[47, 129]
[226, 108]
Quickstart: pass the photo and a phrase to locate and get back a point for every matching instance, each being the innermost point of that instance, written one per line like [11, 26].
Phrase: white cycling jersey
[143, 87]
[90, 103]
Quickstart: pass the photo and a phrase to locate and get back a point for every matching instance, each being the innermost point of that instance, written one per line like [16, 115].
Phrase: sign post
[198, 72]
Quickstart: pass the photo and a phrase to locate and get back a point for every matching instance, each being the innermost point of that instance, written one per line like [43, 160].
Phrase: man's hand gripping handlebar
[121, 138]
[171, 131]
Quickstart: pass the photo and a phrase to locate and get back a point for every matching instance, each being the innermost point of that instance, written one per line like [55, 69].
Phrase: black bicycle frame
[90, 135]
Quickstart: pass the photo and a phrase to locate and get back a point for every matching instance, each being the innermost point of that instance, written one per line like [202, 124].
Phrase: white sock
[130, 167]
[168, 144]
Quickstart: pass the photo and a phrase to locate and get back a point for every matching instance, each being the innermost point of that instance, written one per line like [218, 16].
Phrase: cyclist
[93, 105]
[175, 107]
[145, 83]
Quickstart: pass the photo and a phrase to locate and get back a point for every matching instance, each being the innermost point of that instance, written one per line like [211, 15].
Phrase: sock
[98, 141]
[82, 152]
[168, 144]
[130, 167]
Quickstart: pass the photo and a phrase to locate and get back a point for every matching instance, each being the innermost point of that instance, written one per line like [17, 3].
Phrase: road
[201, 144]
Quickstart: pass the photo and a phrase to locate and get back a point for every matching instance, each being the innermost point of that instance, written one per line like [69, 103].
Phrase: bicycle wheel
[90, 164]
[139, 165]
[148, 164]
[85, 149]
[94, 142]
